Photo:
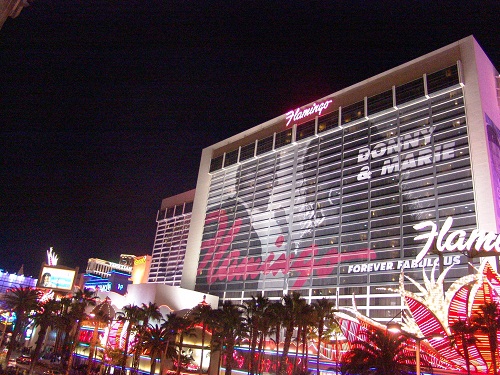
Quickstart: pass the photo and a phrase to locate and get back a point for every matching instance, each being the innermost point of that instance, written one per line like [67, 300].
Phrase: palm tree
[101, 314]
[323, 310]
[232, 328]
[170, 331]
[154, 343]
[380, 354]
[303, 323]
[293, 304]
[63, 324]
[82, 299]
[487, 320]
[464, 330]
[151, 311]
[22, 301]
[131, 314]
[181, 326]
[201, 315]
[255, 314]
[275, 316]
[44, 318]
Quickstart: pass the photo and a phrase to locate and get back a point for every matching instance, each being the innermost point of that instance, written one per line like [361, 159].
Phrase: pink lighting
[313, 110]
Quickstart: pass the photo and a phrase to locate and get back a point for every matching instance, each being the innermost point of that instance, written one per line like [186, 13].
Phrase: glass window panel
[443, 78]
[306, 130]
[247, 152]
[283, 138]
[216, 163]
[329, 121]
[265, 145]
[353, 112]
[380, 102]
[409, 91]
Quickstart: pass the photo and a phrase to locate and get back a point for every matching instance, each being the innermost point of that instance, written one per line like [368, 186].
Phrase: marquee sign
[479, 243]
[306, 113]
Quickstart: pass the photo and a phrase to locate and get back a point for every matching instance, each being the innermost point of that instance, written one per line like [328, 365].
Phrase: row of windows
[439, 143]
[398, 96]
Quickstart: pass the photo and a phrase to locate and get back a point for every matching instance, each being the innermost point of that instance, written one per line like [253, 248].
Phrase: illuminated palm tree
[304, 320]
[275, 316]
[131, 314]
[201, 315]
[151, 311]
[21, 301]
[293, 304]
[380, 354]
[101, 314]
[82, 299]
[255, 314]
[324, 310]
[44, 318]
[464, 330]
[154, 341]
[487, 320]
[232, 328]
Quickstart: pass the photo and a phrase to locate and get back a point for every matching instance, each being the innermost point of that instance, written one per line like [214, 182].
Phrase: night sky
[105, 106]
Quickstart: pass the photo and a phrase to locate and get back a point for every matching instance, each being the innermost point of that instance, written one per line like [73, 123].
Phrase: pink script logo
[313, 109]
[221, 265]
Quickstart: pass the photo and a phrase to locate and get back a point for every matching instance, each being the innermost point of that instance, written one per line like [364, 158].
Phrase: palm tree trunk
[73, 346]
[305, 349]
[320, 334]
[153, 365]
[181, 339]
[259, 353]
[125, 349]
[38, 347]
[284, 354]
[203, 327]
[297, 344]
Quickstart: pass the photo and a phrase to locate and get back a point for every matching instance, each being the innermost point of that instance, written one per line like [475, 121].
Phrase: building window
[283, 138]
[353, 112]
[264, 145]
[216, 164]
[247, 152]
[231, 158]
[380, 102]
[306, 130]
[444, 78]
[409, 91]
[328, 122]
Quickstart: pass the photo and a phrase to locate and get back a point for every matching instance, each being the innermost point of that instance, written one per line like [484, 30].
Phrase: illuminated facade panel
[172, 232]
[327, 203]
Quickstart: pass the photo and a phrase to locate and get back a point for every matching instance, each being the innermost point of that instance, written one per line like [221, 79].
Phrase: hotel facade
[323, 200]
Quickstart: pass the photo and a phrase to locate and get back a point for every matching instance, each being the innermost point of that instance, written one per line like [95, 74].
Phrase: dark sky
[105, 106]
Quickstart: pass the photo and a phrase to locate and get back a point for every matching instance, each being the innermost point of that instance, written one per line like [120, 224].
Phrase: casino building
[323, 199]
[173, 220]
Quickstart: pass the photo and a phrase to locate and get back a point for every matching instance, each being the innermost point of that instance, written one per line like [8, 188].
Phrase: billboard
[56, 278]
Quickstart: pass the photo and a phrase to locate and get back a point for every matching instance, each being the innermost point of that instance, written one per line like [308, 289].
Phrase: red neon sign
[313, 109]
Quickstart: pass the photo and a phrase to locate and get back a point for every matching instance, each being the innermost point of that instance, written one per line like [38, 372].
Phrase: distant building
[109, 276]
[103, 268]
[14, 280]
[169, 249]
[140, 270]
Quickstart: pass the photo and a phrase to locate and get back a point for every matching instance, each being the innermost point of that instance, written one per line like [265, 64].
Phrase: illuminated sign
[401, 264]
[422, 157]
[56, 278]
[139, 261]
[309, 111]
[443, 240]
